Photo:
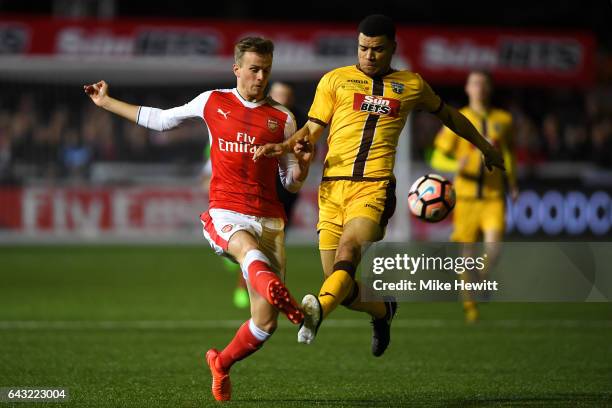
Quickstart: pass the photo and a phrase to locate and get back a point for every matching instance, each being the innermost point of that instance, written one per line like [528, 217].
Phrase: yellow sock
[374, 309]
[469, 304]
[335, 288]
[471, 311]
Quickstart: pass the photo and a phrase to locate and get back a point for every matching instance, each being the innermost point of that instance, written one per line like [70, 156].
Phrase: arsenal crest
[272, 125]
[227, 228]
[397, 87]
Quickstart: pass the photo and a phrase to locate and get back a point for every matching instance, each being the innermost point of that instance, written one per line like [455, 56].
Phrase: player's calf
[248, 339]
[381, 329]
[264, 281]
[337, 286]
[353, 301]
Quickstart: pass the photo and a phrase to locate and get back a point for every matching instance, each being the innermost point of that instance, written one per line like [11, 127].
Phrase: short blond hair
[258, 45]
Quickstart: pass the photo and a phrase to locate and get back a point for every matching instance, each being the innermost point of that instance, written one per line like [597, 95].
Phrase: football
[431, 198]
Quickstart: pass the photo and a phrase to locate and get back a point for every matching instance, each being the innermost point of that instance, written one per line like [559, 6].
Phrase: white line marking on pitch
[332, 323]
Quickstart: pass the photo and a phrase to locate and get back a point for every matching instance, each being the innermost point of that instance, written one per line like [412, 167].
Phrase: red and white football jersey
[236, 128]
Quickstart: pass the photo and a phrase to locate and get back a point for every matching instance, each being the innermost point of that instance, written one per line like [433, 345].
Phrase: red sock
[260, 276]
[242, 345]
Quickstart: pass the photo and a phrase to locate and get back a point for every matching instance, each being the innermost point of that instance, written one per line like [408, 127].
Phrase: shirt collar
[249, 104]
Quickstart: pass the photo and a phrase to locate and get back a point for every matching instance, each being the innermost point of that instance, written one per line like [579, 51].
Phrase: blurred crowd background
[51, 131]
[550, 125]
[69, 169]
[46, 135]
[55, 132]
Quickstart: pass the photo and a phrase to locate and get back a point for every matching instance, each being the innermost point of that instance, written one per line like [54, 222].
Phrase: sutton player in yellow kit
[480, 209]
[366, 106]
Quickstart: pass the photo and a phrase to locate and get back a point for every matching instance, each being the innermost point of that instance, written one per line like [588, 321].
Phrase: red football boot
[221, 384]
[279, 297]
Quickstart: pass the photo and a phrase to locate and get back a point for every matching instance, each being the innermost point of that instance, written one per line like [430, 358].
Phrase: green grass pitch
[128, 326]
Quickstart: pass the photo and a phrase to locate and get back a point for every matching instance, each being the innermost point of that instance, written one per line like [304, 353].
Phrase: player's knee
[492, 256]
[246, 248]
[348, 250]
[240, 244]
[493, 246]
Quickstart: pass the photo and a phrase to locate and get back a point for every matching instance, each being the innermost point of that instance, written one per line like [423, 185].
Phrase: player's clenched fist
[304, 151]
[271, 150]
[98, 92]
[493, 158]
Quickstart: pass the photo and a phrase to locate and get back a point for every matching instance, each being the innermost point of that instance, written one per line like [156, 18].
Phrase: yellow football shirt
[473, 180]
[366, 116]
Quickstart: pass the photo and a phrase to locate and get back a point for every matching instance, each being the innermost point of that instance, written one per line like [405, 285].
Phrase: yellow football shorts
[472, 217]
[343, 200]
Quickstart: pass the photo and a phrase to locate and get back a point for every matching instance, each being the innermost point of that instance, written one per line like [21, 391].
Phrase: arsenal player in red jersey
[245, 219]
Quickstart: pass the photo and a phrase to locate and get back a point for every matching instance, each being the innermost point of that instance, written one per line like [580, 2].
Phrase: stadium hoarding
[557, 201]
[544, 212]
[141, 213]
[303, 50]
[111, 214]
[170, 214]
[514, 57]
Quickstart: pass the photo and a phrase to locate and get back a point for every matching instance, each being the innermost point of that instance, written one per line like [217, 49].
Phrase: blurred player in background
[245, 219]
[240, 298]
[283, 93]
[480, 209]
[366, 106]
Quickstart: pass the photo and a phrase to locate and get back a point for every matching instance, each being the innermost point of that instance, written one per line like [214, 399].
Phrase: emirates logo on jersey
[377, 105]
[273, 125]
[244, 143]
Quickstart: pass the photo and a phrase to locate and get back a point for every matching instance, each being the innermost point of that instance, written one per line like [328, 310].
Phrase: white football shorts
[219, 225]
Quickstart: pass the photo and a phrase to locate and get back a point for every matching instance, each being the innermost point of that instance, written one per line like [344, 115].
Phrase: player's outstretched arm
[310, 132]
[98, 93]
[152, 118]
[459, 124]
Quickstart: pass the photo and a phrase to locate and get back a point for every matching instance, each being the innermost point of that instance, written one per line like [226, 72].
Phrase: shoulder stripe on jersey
[439, 108]
[317, 121]
[378, 89]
